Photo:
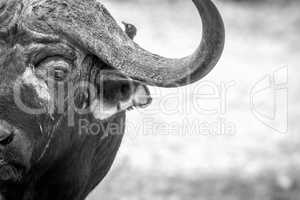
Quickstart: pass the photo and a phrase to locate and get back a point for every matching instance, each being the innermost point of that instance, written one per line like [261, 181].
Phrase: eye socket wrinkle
[37, 53]
[56, 61]
[54, 58]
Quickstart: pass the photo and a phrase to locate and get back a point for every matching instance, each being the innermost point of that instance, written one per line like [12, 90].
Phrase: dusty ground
[249, 160]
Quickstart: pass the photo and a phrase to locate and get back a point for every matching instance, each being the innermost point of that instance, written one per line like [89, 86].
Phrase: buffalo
[66, 65]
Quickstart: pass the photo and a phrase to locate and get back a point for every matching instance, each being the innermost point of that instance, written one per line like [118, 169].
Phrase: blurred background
[234, 135]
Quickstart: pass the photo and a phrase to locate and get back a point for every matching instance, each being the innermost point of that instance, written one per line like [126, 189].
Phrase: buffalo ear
[118, 95]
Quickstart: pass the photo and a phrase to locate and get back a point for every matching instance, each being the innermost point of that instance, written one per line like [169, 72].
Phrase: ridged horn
[90, 25]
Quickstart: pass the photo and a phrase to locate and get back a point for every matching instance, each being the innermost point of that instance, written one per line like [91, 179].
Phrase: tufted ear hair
[117, 94]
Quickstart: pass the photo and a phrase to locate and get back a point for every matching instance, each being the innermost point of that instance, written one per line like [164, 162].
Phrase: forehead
[26, 24]
[34, 46]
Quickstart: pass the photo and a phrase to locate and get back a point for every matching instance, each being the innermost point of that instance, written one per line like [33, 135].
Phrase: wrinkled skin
[35, 161]
[68, 74]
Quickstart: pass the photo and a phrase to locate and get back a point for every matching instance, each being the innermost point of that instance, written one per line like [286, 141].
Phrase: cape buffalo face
[46, 88]
[68, 60]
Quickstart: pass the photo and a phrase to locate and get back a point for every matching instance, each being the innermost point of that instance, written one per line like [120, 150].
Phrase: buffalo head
[63, 62]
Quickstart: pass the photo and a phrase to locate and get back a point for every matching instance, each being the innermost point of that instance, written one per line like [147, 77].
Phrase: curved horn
[90, 25]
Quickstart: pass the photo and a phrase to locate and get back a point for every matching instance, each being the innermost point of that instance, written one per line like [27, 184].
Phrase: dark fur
[73, 164]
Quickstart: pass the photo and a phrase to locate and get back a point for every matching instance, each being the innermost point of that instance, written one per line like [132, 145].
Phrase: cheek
[49, 97]
[22, 149]
[39, 86]
[32, 94]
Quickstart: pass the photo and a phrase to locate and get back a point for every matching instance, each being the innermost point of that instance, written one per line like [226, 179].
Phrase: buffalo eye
[54, 69]
[59, 74]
